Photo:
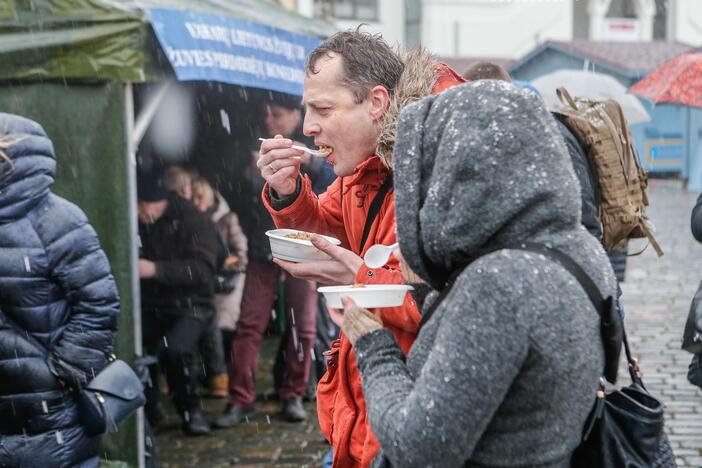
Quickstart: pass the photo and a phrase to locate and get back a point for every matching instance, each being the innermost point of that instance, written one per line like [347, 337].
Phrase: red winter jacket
[341, 212]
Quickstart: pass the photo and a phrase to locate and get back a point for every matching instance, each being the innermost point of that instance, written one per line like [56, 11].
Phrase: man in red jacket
[354, 88]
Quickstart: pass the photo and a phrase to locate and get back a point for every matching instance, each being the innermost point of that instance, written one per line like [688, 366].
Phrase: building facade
[638, 20]
[621, 38]
[486, 28]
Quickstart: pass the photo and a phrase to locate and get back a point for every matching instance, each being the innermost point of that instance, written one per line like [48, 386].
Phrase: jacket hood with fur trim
[423, 75]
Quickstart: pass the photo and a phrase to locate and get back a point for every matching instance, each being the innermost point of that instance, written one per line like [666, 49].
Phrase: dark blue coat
[58, 307]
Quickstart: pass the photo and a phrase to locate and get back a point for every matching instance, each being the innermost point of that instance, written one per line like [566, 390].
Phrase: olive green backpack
[603, 133]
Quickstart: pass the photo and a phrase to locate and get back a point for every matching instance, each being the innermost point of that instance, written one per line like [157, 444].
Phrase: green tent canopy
[112, 40]
[71, 65]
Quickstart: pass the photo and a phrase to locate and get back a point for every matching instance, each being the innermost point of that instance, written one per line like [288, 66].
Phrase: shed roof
[628, 58]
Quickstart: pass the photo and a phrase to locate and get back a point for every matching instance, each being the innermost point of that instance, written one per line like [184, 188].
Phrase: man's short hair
[367, 59]
[486, 71]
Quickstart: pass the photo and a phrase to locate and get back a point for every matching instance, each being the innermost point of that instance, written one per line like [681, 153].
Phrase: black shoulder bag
[115, 393]
[112, 395]
[625, 426]
[373, 211]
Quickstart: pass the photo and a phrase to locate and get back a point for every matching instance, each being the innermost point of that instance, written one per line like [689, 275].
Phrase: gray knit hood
[483, 165]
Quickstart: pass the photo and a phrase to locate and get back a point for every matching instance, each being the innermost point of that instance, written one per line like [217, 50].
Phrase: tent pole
[134, 248]
[147, 114]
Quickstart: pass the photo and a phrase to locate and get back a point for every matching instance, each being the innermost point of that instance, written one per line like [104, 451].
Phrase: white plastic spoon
[378, 255]
[313, 152]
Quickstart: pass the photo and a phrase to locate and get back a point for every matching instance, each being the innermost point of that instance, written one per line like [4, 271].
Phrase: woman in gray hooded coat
[505, 371]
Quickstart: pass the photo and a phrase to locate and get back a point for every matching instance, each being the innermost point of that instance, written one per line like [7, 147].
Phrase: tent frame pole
[146, 116]
[134, 249]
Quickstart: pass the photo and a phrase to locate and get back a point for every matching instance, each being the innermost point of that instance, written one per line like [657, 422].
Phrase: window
[363, 10]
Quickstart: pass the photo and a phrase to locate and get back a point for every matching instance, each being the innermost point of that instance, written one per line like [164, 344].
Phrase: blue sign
[207, 47]
[667, 152]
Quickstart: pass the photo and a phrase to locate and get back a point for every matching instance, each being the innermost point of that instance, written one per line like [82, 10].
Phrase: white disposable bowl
[295, 250]
[369, 296]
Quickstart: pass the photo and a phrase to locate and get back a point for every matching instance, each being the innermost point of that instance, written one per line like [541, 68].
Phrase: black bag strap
[573, 268]
[576, 270]
[444, 292]
[374, 210]
[611, 326]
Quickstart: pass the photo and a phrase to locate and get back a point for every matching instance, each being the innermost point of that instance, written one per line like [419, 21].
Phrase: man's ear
[379, 100]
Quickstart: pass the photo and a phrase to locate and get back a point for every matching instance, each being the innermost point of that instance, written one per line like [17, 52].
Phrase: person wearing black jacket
[590, 194]
[589, 191]
[177, 266]
[694, 373]
[590, 197]
[292, 369]
[696, 220]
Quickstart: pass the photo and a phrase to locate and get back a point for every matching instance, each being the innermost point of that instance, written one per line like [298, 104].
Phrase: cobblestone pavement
[266, 440]
[657, 293]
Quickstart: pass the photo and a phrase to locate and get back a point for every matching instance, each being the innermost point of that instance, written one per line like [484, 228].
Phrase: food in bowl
[369, 296]
[294, 245]
[299, 235]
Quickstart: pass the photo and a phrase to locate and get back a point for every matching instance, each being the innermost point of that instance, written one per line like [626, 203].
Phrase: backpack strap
[374, 210]
[651, 240]
[611, 326]
[565, 98]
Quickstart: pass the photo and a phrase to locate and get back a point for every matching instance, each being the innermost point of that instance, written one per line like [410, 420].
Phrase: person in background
[590, 198]
[58, 307]
[178, 260]
[179, 180]
[694, 374]
[484, 70]
[589, 191]
[283, 114]
[588, 188]
[696, 220]
[227, 305]
[496, 377]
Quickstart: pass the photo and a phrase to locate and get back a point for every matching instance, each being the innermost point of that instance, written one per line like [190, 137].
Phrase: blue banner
[218, 48]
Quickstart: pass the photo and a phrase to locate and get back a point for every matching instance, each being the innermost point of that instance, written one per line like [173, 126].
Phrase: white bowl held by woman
[296, 250]
[366, 296]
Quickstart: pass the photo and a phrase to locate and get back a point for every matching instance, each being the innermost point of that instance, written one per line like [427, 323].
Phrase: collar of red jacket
[370, 172]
